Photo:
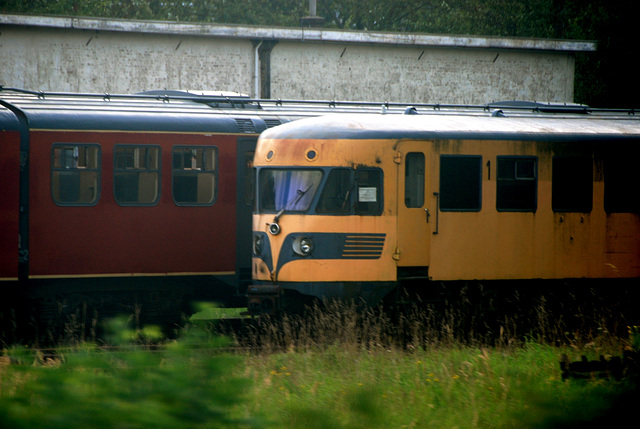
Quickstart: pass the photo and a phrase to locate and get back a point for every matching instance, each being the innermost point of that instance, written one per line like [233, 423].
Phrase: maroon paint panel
[111, 239]
[9, 202]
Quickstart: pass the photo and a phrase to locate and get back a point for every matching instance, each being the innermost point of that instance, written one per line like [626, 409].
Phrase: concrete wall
[420, 74]
[98, 55]
[54, 59]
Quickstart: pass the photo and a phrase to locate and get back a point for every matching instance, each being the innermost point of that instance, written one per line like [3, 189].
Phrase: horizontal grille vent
[363, 246]
[246, 125]
[270, 123]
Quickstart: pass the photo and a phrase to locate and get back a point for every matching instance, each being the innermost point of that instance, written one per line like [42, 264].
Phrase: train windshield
[287, 190]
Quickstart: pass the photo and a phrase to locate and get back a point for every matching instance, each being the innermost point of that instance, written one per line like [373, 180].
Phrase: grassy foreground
[443, 388]
[341, 376]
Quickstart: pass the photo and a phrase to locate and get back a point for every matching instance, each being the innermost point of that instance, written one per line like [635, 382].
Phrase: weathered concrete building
[123, 56]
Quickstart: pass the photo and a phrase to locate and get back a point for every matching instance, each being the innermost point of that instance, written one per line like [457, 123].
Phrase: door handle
[435, 194]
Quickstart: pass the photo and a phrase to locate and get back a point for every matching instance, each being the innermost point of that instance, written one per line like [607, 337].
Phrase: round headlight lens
[303, 246]
[306, 246]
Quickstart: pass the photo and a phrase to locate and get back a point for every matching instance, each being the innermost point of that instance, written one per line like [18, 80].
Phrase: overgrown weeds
[338, 365]
[473, 317]
[185, 383]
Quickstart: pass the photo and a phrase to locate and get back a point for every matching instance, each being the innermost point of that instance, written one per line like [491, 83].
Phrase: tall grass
[444, 387]
[468, 317]
[338, 365]
[342, 366]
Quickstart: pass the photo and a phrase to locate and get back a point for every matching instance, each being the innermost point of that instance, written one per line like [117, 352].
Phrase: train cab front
[285, 196]
[318, 231]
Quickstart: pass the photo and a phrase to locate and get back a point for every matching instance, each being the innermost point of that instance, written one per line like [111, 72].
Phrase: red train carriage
[131, 195]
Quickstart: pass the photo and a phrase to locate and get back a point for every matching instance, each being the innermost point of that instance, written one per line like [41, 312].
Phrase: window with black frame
[621, 184]
[287, 189]
[136, 175]
[336, 194]
[194, 175]
[460, 182]
[414, 178]
[75, 174]
[572, 184]
[517, 184]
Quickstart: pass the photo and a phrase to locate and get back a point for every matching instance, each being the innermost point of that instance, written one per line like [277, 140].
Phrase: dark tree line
[604, 78]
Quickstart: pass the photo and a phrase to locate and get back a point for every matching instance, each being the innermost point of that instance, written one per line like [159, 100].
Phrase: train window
[460, 182]
[289, 190]
[369, 191]
[336, 194]
[75, 174]
[136, 175]
[517, 184]
[194, 175]
[621, 184]
[414, 180]
[572, 184]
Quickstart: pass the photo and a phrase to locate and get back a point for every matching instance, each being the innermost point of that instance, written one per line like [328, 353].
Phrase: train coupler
[264, 299]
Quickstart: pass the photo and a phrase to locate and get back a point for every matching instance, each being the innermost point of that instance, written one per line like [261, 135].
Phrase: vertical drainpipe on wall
[23, 199]
[312, 21]
[256, 56]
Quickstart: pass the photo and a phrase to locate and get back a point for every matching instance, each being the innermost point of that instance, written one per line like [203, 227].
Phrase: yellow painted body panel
[312, 270]
[414, 223]
[481, 245]
[522, 245]
[374, 153]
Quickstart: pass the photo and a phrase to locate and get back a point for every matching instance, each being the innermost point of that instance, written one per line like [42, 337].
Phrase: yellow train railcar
[347, 206]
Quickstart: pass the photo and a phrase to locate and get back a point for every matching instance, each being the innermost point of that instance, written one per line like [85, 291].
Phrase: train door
[244, 210]
[415, 213]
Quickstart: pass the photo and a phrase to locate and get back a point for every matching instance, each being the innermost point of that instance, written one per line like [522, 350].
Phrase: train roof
[498, 124]
[225, 112]
[173, 111]
[165, 110]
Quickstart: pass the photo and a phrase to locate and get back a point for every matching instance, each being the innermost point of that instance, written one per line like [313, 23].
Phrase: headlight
[303, 246]
[274, 228]
[257, 245]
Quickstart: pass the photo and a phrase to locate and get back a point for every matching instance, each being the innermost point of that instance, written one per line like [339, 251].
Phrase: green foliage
[346, 374]
[263, 12]
[598, 81]
[634, 338]
[209, 311]
[186, 384]
[442, 387]
[344, 368]
[530, 18]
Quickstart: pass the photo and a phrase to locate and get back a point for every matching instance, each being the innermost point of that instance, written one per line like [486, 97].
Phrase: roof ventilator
[270, 123]
[246, 125]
